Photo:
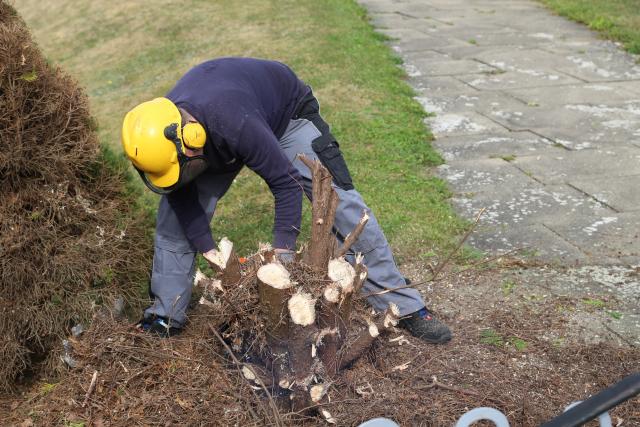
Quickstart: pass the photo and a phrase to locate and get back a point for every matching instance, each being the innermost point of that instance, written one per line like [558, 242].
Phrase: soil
[515, 348]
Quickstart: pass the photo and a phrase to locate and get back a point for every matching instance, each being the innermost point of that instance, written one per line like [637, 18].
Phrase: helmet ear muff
[193, 135]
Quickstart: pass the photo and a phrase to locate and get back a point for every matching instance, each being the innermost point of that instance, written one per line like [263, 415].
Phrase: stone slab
[526, 61]
[483, 175]
[517, 78]
[621, 193]
[538, 118]
[586, 139]
[515, 206]
[470, 51]
[476, 32]
[465, 102]
[378, 6]
[429, 67]
[472, 147]
[613, 236]
[469, 123]
[602, 66]
[577, 123]
[441, 85]
[423, 42]
[590, 281]
[511, 39]
[425, 55]
[404, 35]
[388, 20]
[532, 240]
[574, 165]
[593, 93]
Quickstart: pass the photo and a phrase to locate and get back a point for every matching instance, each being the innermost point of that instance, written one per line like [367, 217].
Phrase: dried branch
[92, 387]
[353, 236]
[442, 264]
[272, 403]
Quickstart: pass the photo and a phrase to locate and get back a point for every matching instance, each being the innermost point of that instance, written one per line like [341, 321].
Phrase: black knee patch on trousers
[325, 146]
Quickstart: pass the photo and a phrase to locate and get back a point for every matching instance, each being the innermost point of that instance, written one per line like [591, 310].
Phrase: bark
[226, 264]
[302, 350]
[307, 345]
[347, 297]
[385, 322]
[332, 319]
[274, 290]
[324, 204]
[329, 339]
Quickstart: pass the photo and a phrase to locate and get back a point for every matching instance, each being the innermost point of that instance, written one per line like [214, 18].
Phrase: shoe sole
[442, 340]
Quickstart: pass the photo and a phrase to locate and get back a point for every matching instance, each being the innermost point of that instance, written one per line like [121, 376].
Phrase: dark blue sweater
[245, 106]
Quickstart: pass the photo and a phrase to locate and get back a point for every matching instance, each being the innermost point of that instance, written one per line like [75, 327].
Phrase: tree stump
[308, 328]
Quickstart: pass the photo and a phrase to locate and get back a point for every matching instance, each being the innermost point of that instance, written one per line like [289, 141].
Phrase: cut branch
[353, 236]
[226, 263]
[274, 286]
[324, 204]
[388, 320]
[274, 289]
[302, 351]
[347, 298]
[92, 387]
[329, 338]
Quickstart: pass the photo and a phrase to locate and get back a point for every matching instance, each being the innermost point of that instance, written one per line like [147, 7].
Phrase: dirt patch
[505, 354]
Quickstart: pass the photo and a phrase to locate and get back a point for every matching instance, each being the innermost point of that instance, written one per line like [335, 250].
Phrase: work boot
[159, 326]
[421, 324]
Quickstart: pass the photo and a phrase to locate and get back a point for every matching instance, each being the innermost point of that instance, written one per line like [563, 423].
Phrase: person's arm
[259, 149]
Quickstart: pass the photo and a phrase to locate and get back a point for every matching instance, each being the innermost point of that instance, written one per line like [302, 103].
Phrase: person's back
[222, 93]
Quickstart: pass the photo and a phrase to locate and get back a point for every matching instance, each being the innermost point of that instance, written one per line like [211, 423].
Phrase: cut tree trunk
[309, 326]
[226, 264]
[323, 212]
[274, 289]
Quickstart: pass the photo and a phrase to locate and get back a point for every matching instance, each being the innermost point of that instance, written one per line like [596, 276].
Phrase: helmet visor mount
[190, 167]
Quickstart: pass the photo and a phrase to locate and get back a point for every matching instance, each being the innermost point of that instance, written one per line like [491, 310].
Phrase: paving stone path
[538, 120]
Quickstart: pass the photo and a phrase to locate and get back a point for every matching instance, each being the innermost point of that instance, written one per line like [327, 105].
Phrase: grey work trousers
[174, 257]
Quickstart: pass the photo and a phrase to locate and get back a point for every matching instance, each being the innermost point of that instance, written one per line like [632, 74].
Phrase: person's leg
[314, 140]
[174, 257]
[383, 272]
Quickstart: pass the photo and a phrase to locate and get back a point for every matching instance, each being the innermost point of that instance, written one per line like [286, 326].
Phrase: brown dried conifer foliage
[68, 234]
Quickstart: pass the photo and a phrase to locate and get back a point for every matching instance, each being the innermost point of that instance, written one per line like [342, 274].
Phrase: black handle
[598, 404]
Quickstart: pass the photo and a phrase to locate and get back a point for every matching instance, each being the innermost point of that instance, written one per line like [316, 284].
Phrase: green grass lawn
[615, 19]
[126, 52]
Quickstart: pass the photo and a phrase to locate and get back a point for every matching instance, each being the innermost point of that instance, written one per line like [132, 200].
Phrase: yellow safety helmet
[154, 140]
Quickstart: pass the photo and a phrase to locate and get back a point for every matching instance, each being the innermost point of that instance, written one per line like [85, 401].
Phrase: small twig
[272, 403]
[442, 264]
[424, 282]
[415, 371]
[435, 383]
[353, 236]
[307, 161]
[317, 405]
[485, 261]
[389, 371]
[92, 386]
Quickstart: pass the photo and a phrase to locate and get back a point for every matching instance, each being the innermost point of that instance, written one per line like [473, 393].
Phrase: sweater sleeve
[192, 217]
[258, 148]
